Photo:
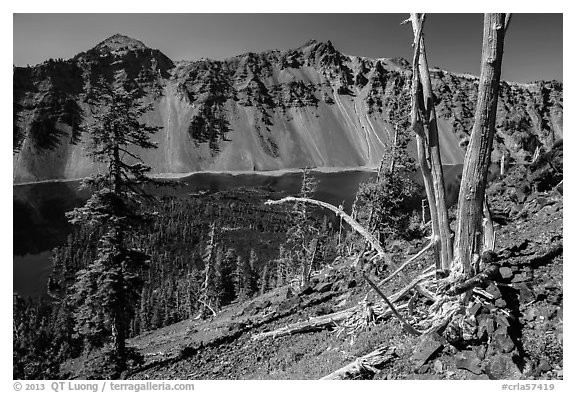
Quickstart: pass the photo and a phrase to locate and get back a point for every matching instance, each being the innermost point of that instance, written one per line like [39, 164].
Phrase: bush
[387, 205]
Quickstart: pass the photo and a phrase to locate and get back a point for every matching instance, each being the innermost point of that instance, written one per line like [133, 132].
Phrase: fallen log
[333, 320]
[364, 367]
[489, 273]
[312, 324]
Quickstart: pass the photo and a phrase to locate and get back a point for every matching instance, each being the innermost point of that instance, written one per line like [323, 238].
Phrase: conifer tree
[302, 235]
[107, 291]
[246, 276]
[227, 270]
[264, 279]
[252, 273]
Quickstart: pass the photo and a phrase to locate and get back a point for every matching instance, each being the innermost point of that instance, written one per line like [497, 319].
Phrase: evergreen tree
[282, 267]
[246, 279]
[252, 273]
[107, 291]
[264, 279]
[302, 235]
[386, 204]
[227, 270]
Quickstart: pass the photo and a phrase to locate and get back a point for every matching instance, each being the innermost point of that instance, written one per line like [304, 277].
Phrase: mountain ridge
[309, 106]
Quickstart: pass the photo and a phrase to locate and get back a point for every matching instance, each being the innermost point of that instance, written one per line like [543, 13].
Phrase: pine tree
[385, 205]
[282, 267]
[227, 270]
[252, 273]
[264, 279]
[246, 276]
[107, 291]
[302, 235]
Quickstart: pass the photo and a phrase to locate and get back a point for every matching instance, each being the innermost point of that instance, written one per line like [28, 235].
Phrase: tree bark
[425, 127]
[366, 366]
[472, 189]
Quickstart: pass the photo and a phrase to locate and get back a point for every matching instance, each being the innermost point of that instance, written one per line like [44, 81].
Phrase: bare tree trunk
[489, 232]
[208, 272]
[425, 126]
[119, 342]
[364, 367]
[308, 265]
[504, 163]
[392, 160]
[472, 189]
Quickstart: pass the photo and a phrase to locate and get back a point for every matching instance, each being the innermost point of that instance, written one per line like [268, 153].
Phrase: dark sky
[533, 47]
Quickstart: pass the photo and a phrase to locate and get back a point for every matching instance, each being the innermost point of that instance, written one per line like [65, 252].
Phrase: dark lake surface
[40, 223]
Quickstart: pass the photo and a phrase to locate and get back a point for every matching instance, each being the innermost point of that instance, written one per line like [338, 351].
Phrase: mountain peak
[120, 43]
[312, 44]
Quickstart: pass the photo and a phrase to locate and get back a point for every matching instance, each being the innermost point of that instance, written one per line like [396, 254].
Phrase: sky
[532, 50]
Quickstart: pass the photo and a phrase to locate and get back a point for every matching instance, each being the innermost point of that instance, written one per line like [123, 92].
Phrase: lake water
[40, 223]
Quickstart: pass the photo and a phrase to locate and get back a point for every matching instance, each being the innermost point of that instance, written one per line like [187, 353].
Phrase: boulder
[485, 324]
[505, 272]
[438, 366]
[503, 343]
[427, 347]
[468, 360]
[493, 290]
[500, 303]
[502, 366]
[521, 277]
[525, 294]
[544, 366]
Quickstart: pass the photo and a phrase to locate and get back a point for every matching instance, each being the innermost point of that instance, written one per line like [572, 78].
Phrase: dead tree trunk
[204, 298]
[364, 367]
[472, 189]
[425, 127]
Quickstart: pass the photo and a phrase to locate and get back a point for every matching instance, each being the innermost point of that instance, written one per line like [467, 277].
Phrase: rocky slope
[512, 329]
[310, 106]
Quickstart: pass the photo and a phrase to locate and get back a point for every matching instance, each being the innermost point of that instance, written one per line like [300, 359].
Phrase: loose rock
[426, 348]
[468, 360]
[502, 366]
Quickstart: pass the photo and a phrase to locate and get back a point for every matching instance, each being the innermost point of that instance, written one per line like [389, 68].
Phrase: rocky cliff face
[310, 106]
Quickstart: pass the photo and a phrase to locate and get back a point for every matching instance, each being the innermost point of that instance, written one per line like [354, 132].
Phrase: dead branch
[401, 293]
[207, 306]
[393, 274]
[507, 21]
[364, 367]
[560, 187]
[405, 325]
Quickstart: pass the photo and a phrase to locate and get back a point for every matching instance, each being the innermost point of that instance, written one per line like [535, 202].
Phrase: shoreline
[181, 175]
[272, 172]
